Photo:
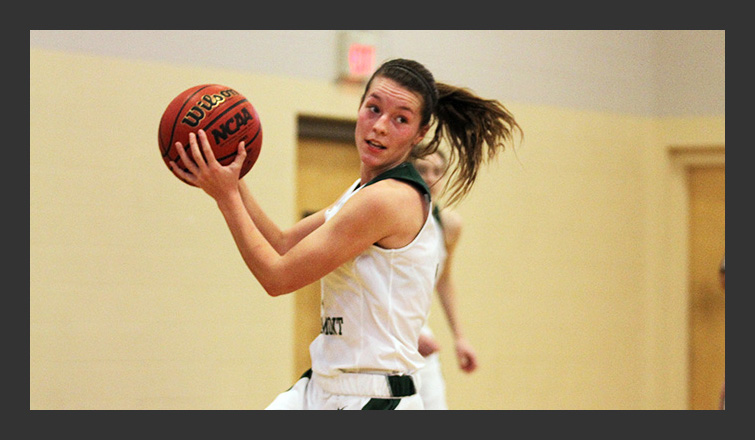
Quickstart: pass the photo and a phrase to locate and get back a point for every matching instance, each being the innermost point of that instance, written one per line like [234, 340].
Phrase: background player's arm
[446, 289]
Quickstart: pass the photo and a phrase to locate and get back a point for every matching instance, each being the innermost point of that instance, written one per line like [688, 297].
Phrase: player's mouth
[375, 145]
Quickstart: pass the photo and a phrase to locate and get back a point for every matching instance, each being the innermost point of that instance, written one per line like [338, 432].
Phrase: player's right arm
[389, 213]
[380, 213]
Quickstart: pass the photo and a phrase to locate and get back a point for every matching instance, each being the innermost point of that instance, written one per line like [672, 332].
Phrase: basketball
[223, 113]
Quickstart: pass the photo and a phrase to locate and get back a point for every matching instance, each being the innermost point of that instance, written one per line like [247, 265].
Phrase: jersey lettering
[332, 326]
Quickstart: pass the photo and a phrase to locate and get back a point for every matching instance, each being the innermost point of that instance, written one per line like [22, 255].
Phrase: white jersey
[374, 306]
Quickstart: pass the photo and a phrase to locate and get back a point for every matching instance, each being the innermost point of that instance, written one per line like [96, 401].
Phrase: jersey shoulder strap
[436, 214]
[407, 173]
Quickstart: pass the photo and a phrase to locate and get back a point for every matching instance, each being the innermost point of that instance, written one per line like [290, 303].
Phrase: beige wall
[138, 298]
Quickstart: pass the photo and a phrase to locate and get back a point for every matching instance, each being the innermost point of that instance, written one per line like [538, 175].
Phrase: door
[327, 164]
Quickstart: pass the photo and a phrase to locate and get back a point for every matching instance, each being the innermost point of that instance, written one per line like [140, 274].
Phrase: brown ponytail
[476, 129]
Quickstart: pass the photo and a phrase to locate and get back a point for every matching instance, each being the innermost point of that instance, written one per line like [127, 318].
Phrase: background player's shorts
[433, 386]
[347, 392]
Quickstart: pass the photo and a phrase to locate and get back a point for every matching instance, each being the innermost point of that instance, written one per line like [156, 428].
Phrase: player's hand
[466, 356]
[427, 345]
[204, 171]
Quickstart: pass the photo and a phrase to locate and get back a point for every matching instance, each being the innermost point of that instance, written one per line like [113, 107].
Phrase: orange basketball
[223, 113]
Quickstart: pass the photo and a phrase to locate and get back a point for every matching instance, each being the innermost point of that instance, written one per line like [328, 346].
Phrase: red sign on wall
[357, 55]
[361, 60]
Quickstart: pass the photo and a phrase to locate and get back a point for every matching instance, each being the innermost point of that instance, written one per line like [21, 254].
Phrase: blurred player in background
[433, 168]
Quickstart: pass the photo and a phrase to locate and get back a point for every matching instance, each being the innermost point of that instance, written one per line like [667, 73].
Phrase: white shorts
[433, 386]
[349, 391]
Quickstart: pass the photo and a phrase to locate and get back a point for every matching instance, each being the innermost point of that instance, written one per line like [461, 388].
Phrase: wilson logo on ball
[195, 114]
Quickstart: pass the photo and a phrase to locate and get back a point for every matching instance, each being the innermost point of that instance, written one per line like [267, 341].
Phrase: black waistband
[401, 386]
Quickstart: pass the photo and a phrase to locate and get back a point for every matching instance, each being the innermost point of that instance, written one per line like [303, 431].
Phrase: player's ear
[421, 134]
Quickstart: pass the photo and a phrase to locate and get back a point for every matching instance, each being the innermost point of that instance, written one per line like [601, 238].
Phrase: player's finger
[194, 146]
[240, 155]
[181, 174]
[209, 155]
[188, 163]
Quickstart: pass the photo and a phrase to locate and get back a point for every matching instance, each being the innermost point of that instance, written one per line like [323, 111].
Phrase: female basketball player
[375, 249]
[433, 168]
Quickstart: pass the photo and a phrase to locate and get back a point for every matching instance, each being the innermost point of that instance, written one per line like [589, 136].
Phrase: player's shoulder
[451, 219]
[388, 194]
[452, 223]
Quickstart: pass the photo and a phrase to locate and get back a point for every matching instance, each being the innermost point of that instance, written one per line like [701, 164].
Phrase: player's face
[431, 168]
[388, 124]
